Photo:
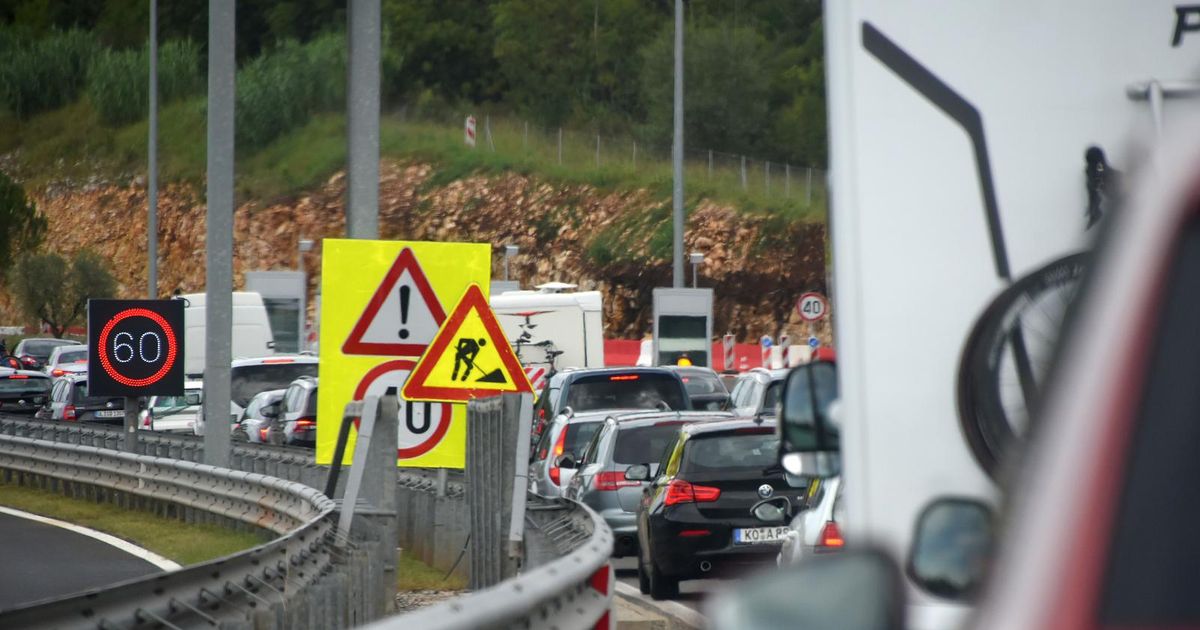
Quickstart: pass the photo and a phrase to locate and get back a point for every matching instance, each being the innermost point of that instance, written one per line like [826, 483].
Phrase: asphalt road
[692, 593]
[43, 561]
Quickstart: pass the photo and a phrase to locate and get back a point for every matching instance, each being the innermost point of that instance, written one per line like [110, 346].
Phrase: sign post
[135, 349]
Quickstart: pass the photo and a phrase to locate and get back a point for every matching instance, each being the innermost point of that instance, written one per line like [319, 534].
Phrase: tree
[21, 227]
[49, 289]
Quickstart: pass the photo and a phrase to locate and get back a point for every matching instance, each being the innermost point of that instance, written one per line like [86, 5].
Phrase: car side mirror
[566, 460]
[859, 588]
[638, 472]
[952, 546]
[809, 438]
[774, 510]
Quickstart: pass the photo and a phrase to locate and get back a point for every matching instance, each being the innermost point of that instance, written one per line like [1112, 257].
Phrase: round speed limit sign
[812, 307]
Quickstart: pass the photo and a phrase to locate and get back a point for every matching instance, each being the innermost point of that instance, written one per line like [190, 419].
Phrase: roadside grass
[72, 143]
[414, 575]
[182, 542]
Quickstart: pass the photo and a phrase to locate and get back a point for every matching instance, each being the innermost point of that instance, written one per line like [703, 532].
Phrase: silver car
[561, 442]
[259, 415]
[625, 439]
[815, 530]
[174, 414]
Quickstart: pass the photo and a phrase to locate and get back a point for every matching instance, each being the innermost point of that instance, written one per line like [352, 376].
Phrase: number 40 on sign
[812, 307]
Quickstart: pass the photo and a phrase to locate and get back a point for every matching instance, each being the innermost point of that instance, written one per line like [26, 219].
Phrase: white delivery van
[541, 323]
[251, 329]
[972, 152]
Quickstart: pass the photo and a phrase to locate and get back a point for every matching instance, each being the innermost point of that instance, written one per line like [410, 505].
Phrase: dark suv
[592, 389]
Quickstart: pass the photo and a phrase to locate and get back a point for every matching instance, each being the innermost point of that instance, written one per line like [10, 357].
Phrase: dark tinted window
[578, 435]
[72, 356]
[625, 391]
[700, 382]
[41, 350]
[310, 408]
[1155, 551]
[771, 398]
[730, 451]
[81, 398]
[249, 380]
[31, 386]
[644, 445]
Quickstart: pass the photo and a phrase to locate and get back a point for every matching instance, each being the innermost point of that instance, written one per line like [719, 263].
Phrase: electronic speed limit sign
[135, 347]
[812, 307]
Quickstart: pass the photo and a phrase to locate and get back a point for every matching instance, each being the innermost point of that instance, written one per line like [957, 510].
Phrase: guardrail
[302, 578]
[571, 591]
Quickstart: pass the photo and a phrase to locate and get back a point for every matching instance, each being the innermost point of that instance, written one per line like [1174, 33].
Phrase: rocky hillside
[616, 242]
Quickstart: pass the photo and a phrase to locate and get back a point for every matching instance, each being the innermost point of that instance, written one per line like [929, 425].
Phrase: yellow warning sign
[382, 303]
[468, 358]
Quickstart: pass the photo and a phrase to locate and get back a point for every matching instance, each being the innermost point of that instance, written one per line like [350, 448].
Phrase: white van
[251, 329]
[538, 323]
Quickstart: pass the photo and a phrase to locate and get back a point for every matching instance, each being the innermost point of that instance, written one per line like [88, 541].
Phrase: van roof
[586, 300]
[240, 298]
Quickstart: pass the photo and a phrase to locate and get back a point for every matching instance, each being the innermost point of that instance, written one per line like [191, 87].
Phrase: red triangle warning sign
[469, 358]
[403, 315]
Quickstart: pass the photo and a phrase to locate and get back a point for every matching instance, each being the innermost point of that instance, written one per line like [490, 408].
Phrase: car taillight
[146, 422]
[305, 422]
[58, 371]
[560, 445]
[694, 533]
[831, 537]
[69, 412]
[262, 434]
[680, 491]
[609, 481]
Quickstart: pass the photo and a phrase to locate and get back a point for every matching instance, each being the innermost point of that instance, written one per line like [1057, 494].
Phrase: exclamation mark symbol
[404, 291]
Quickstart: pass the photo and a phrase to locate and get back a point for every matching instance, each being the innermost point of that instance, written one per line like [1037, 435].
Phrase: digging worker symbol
[464, 356]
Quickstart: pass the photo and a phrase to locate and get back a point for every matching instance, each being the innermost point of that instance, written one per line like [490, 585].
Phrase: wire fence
[580, 150]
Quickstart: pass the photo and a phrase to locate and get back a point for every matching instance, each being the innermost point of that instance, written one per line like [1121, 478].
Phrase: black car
[695, 519]
[23, 391]
[705, 389]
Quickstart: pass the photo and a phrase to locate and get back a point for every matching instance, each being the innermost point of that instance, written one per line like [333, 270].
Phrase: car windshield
[644, 445]
[249, 380]
[24, 386]
[40, 349]
[189, 399]
[81, 398]
[625, 391]
[73, 356]
[753, 450]
[699, 383]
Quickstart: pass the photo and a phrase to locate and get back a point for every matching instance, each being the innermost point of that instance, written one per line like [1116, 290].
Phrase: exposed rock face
[616, 242]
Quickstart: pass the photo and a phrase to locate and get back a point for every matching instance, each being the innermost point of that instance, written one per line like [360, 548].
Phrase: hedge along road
[42, 561]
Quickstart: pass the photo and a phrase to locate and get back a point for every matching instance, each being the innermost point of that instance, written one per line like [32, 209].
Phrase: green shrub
[283, 88]
[118, 80]
[45, 74]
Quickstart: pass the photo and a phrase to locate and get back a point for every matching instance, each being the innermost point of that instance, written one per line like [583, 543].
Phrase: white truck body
[914, 259]
[251, 329]
[573, 322]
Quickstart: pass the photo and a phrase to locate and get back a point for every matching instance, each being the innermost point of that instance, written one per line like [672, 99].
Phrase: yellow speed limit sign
[382, 303]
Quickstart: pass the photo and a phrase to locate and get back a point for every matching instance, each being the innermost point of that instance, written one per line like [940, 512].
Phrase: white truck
[251, 329]
[973, 147]
[553, 327]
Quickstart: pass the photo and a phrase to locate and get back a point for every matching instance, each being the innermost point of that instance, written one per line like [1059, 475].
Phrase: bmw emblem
[765, 491]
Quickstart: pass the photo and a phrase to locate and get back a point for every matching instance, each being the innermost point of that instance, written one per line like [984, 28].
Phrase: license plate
[115, 413]
[759, 535]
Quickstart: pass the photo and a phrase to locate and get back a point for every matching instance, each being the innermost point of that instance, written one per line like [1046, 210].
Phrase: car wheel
[643, 577]
[661, 586]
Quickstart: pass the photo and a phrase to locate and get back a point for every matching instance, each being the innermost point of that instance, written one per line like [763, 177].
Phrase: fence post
[767, 171]
[525, 138]
[787, 180]
[560, 146]
[597, 150]
[710, 163]
[635, 154]
[808, 188]
[743, 172]
[487, 126]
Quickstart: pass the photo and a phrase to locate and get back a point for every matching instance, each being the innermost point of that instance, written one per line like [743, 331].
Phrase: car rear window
[578, 435]
[83, 400]
[701, 383]
[643, 445]
[310, 409]
[249, 380]
[753, 449]
[72, 356]
[625, 391]
[41, 350]
[26, 386]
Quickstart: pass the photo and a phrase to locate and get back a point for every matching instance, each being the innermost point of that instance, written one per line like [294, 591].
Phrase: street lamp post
[304, 247]
[696, 259]
[509, 252]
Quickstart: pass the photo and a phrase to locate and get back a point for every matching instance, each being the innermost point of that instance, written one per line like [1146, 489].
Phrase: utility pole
[362, 119]
[677, 152]
[152, 162]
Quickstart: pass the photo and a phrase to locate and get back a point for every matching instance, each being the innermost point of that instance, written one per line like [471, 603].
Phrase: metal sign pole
[362, 119]
[131, 418]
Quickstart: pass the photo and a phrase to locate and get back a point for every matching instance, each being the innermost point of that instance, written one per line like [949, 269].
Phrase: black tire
[986, 421]
[643, 577]
[662, 586]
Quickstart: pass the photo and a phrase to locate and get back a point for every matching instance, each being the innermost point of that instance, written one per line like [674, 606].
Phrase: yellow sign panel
[469, 358]
[382, 302]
